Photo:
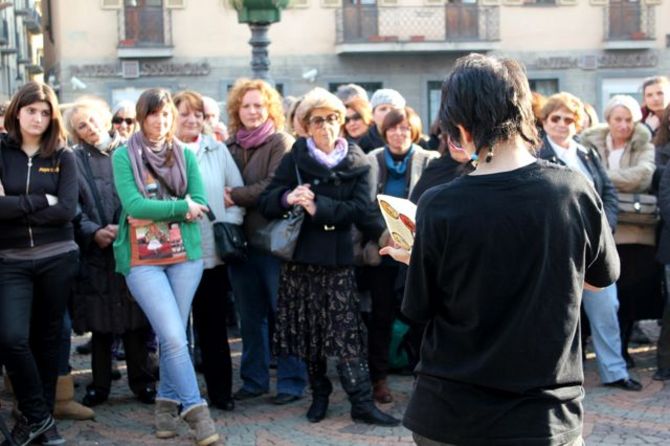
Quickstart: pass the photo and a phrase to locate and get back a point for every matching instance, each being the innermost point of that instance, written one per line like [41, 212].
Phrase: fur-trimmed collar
[597, 137]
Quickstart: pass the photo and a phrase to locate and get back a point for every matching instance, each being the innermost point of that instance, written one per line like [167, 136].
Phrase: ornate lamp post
[259, 14]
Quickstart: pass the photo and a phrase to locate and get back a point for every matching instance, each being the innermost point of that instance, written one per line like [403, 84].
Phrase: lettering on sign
[592, 61]
[146, 69]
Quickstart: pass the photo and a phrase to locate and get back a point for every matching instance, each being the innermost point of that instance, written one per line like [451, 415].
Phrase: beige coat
[633, 175]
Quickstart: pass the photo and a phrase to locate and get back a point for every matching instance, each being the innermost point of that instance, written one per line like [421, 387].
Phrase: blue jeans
[601, 308]
[255, 283]
[165, 294]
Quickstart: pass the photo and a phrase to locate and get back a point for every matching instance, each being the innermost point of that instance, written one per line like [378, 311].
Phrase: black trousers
[33, 298]
[140, 373]
[210, 308]
[382, 283]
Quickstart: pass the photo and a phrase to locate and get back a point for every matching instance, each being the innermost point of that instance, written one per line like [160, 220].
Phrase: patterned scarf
[152, 157]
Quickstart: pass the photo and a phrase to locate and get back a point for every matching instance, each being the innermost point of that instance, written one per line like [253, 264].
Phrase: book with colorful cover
[158, 243]
[400, 217]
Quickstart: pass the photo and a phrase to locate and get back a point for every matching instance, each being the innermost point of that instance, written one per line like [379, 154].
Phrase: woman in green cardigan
[158, 251]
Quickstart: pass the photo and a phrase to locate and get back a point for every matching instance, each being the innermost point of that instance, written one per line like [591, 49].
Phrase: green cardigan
[136, 205]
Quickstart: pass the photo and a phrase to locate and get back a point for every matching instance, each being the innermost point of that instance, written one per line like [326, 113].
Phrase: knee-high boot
[321, 390]
[355, 378]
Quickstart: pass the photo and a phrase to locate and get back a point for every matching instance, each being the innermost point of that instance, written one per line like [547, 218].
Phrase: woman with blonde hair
[257, 143]
[318, 312]
[624, 145]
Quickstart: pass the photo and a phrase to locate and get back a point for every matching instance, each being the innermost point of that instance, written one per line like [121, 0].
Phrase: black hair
[491, 99]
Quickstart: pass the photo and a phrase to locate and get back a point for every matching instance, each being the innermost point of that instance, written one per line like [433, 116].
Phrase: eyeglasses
[555, 119]
[118, 120]
[354, 117]
[319, 121]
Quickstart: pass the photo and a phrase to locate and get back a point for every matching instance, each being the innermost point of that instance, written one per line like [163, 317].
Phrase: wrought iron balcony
[145, 33]
[452, 27]
[629, 25]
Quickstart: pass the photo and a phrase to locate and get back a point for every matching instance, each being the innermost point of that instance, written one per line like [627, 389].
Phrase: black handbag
[280, 237]
[231, 244]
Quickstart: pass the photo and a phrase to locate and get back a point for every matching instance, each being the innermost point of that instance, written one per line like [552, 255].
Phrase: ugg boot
[66, 408]
[166, 414]
[321, 390]
[355, 379]
[202, 425]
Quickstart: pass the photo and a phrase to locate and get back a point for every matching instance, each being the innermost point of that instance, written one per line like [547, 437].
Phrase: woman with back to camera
[625, 148]
[210, 307]
[257, 143]
[38, 254]
[494, 282]
[102, 303]
[561, 117]
[317, 308]
[158, 250]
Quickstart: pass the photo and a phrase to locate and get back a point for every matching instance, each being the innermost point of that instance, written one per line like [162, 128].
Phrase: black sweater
[26, 219]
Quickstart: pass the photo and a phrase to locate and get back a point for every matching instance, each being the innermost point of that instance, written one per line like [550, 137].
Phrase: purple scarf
[249, 139]
[143, 153]
[331, 159]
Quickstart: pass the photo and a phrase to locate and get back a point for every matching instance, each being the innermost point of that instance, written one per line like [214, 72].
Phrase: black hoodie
[26, 219]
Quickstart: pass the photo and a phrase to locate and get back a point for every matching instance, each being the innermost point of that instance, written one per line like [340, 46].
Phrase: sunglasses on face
[117, 120]
[354, 117]
[566, 120]
[319, 121]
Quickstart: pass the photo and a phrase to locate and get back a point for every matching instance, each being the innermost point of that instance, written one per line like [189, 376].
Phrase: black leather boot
[355, 378]
[321, 390]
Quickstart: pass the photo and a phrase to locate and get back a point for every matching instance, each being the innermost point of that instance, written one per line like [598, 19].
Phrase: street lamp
[259, 14]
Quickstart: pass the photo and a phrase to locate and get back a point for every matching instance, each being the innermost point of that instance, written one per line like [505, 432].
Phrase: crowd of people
[110, 223]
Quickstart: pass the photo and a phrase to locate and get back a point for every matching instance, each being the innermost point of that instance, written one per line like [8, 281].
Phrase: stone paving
[613, 417]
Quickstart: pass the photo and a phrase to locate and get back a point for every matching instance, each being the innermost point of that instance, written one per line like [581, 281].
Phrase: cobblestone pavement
[613, 417]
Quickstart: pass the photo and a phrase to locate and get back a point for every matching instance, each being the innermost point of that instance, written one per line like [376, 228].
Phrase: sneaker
[24, 432]
[51, 437]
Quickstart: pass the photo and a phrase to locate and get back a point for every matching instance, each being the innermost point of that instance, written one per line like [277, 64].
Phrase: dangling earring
[489, 156]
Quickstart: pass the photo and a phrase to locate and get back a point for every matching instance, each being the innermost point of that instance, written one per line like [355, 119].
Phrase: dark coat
[663, 253]
[101, 301]
[342, 199]
[601, 181]
[26, 219]
[662, 158]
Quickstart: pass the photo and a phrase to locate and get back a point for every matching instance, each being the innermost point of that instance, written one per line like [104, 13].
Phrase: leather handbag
[280, 237]
[638, 209]
[231, 244]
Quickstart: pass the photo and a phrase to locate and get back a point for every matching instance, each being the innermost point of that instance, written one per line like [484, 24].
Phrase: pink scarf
[249, 139]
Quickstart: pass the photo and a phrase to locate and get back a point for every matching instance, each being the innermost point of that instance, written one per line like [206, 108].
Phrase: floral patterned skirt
[318, 313]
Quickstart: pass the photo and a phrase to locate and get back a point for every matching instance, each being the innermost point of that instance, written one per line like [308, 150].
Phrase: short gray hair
[623, 100]
[319, 98]
[348, 91]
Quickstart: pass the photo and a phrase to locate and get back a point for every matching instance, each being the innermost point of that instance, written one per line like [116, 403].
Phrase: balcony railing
[145, 32]
[629, 22]
[456, 23]
[33, 21]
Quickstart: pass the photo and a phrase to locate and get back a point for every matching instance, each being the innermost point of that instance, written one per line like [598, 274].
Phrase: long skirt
[318, 313]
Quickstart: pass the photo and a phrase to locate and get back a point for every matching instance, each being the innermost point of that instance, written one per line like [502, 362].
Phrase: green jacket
[136, 205]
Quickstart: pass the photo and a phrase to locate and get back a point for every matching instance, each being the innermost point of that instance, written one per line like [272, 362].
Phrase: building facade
[117, 48]
[21, 52]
